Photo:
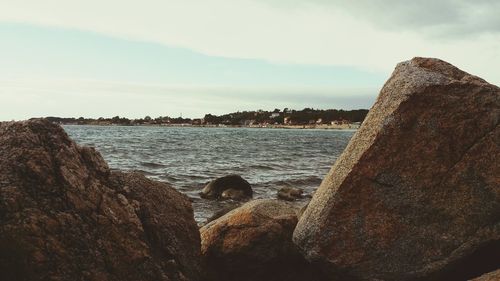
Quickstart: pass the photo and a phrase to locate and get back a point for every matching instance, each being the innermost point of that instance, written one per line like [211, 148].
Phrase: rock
[254, 242]
[491, 276]
[290, 193]
[222, 211]
[416, 193]
[65, 216]
[227, 187]
[234, 194]
[302, 210]
[167, 219]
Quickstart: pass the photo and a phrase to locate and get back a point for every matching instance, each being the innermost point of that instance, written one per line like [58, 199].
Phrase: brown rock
[254, 242]
[416, 193]
[491, 276]
[64, 216]
[290, 193]
[222, 211]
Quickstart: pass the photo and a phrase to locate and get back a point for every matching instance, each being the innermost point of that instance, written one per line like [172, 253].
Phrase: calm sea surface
[189, 157]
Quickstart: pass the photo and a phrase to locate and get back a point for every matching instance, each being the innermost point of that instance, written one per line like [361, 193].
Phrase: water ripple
[189, 157]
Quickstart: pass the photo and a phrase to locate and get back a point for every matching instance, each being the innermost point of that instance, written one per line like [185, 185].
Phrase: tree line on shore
[276, 116]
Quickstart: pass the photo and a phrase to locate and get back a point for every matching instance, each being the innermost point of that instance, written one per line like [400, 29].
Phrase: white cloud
[443, 18]
[317, 33]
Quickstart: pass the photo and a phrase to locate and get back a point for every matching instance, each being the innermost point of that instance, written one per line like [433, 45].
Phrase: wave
[146, 173]
[169, 178]
[261, 167]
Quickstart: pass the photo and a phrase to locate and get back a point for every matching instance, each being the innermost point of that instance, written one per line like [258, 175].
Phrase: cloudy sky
[96, 58]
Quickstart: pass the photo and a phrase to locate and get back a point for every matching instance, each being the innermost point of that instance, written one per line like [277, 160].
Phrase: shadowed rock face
[416, 193]
[65, 216]
[491, 276]
[228, 187]
[254, 242]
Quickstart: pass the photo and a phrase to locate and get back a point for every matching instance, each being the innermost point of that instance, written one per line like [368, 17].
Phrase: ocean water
[189, 157]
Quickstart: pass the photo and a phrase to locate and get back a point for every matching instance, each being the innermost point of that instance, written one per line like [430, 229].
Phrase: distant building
[197, 121]
[248, 122]
[319, 121]
[341, 122]
[274, 115]
[287, 121]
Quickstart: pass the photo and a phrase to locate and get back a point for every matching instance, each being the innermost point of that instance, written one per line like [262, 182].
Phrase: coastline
[349, 127]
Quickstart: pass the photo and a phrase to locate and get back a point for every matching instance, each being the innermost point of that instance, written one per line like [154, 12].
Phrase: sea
[189, 157]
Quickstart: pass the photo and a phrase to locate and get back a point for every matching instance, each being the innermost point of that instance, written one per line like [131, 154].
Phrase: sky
[105, 58]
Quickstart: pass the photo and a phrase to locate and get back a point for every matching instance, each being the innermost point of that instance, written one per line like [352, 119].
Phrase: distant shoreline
[301, 127]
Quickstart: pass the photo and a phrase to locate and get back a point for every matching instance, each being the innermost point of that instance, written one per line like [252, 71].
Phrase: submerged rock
[65, 216]
[227, 187]
[290, 193]
[416, 193]
[254, 242]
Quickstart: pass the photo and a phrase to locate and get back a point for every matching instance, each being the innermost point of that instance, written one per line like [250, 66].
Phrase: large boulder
[254, 242]
[228, 187]
[65, 216]
[416, 193]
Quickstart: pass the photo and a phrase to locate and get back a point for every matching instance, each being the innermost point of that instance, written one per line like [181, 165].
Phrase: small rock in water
[290, 193]
[227, 187]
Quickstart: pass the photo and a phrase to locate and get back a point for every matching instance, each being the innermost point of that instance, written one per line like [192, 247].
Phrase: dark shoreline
[307, 127]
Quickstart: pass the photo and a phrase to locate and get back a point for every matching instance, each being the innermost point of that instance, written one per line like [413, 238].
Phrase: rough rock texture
[222, 211]
[492, 276]
[290, 193]
[65, 216]
[416, 193]
[254, 242]
[228, 187]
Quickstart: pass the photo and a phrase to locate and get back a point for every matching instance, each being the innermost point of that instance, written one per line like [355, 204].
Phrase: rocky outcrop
[227, 187]
[254, 242]
[290, 193]
[65, 216]
[416, 193]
